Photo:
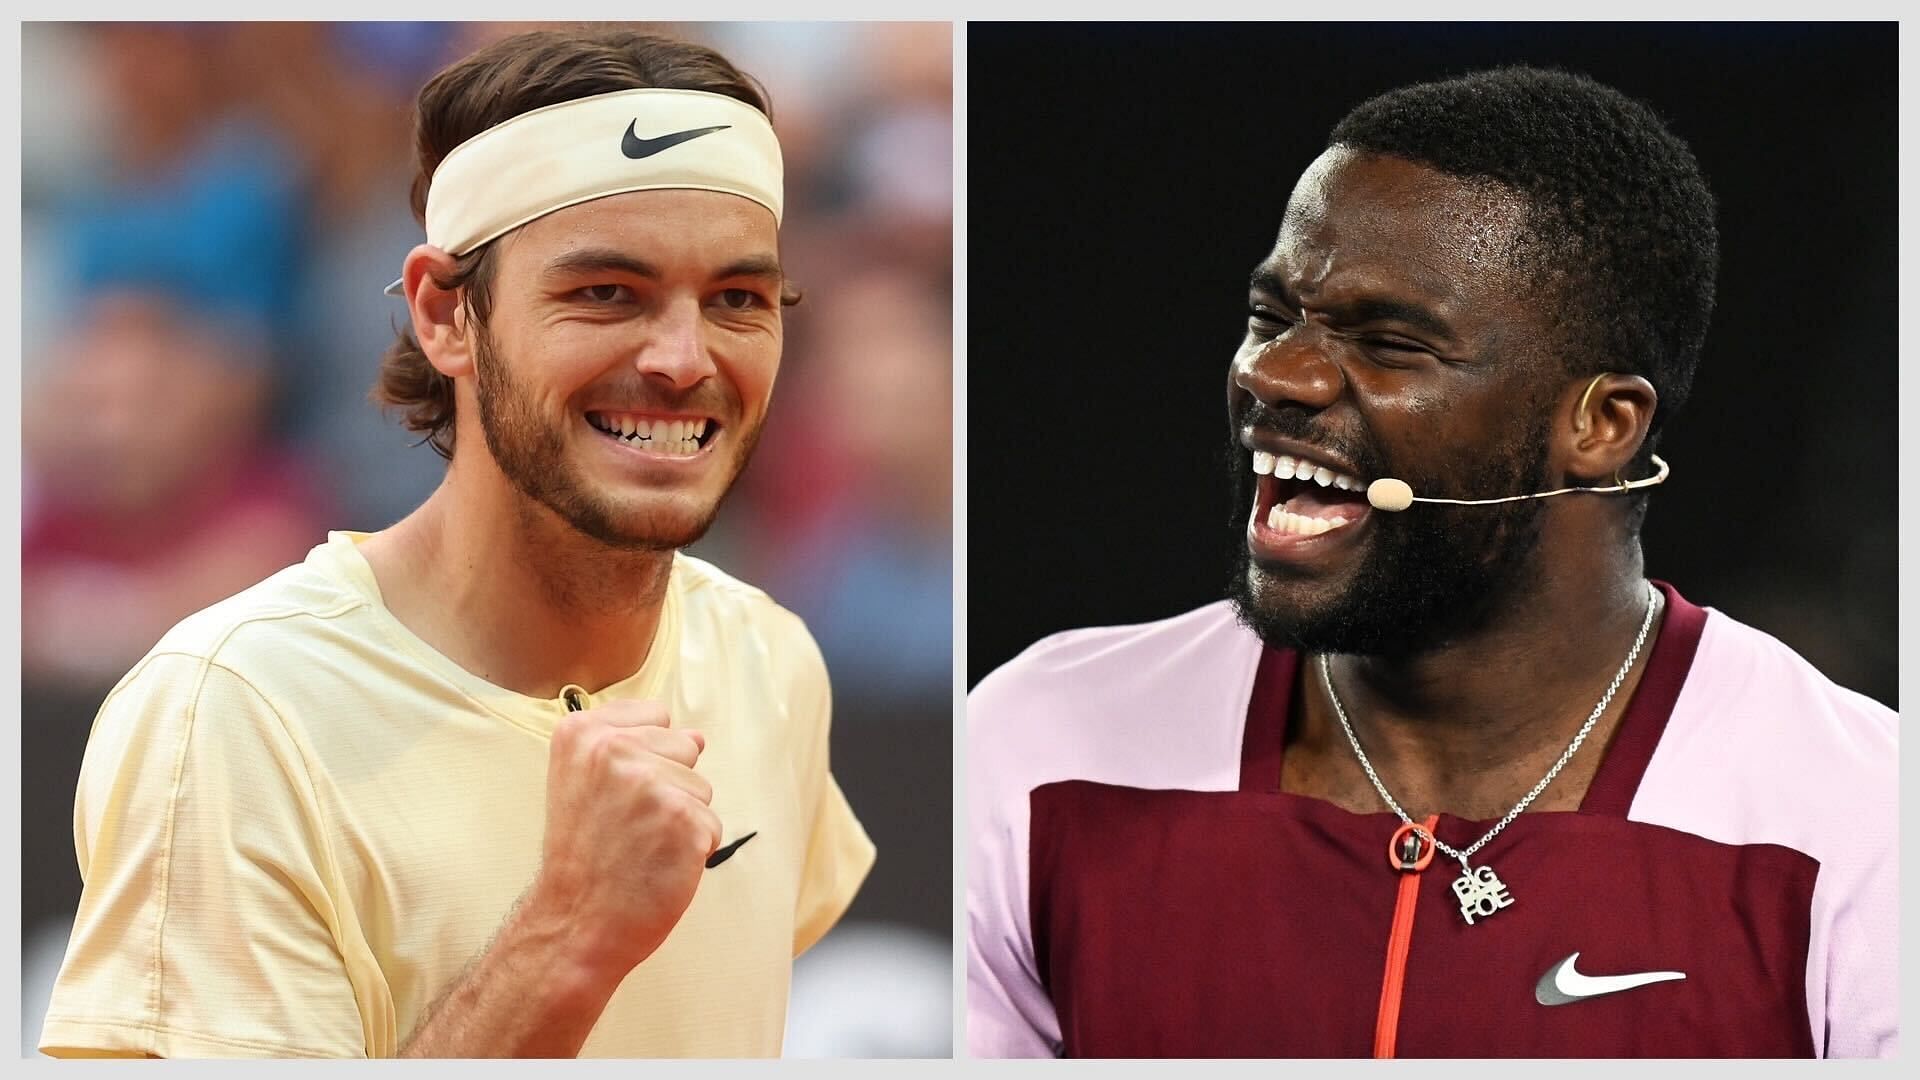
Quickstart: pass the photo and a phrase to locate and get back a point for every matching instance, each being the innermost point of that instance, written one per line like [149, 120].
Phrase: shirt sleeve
[839, 853]
[1009, 1012]
[1861, 925]
[205, 926]
[1854, 951]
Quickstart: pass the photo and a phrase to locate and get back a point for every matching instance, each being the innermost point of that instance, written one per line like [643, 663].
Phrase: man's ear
[1605, 419]
[439, 319]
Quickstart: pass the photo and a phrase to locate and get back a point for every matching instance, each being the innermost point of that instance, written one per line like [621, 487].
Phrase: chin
[1282, 597]
[652, 524]
[1287, 612]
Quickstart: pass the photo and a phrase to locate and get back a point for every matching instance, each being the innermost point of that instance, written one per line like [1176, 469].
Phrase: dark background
[1125, 179]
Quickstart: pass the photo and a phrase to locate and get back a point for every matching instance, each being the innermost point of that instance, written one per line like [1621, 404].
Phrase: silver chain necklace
[1481, 892]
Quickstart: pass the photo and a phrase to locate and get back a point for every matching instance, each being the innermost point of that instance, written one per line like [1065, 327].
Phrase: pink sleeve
[1091, 704]
[1856, 938]
[1762, 749]
[1008, 1011]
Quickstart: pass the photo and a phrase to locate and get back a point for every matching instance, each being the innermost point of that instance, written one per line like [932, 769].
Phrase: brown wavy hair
[512, 76]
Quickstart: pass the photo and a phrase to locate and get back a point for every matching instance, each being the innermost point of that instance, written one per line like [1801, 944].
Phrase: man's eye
[604, 294]
[1398, 345]
[1267, 322]
[740, 299]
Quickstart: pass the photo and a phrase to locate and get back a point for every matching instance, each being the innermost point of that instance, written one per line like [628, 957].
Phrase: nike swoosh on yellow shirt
[723, 854]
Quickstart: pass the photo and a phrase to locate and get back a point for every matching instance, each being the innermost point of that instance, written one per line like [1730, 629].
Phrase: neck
[513, 594]
[1470, 725]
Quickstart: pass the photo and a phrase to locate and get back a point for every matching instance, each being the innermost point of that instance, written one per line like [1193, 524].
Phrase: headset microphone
[1390, 494]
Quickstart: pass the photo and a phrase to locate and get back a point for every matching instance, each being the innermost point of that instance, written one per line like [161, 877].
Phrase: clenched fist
[629, 829]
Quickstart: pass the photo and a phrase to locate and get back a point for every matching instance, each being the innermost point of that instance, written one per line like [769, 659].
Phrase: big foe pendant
[1480, 892]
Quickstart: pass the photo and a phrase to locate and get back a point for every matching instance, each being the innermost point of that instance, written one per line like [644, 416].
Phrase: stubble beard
[532, 454]
[1430, 574]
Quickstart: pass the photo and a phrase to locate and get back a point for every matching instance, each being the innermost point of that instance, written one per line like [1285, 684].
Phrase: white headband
[588, 148]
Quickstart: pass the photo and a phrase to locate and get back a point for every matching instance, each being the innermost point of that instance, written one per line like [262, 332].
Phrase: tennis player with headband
[514, 776]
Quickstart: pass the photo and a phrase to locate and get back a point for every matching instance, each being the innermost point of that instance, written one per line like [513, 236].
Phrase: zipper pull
[1411, 848]
[574, 697]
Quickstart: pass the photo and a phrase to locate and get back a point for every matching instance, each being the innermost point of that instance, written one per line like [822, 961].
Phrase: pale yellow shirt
[298, 823]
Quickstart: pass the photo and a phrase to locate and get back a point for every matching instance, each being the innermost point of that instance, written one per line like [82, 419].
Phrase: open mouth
[675, 437]
[1298, 497]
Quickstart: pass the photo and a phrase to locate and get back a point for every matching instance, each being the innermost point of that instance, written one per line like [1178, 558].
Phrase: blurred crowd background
[209, 214]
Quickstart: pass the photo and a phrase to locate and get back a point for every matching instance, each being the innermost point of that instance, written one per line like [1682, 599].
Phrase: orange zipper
[1386, 1028]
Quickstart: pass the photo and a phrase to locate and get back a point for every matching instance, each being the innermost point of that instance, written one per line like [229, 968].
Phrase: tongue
[1328, 502]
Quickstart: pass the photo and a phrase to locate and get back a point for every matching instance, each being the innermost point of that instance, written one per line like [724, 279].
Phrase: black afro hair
[1620, 224]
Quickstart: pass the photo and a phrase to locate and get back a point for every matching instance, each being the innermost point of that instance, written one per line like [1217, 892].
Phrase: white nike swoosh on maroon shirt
[1564, 985]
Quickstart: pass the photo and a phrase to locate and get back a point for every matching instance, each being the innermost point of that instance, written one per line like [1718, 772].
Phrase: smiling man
[513, 776]
[1446, 775]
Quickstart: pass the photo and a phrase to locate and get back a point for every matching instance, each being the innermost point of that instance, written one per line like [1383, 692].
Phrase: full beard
[1429, 575]
[532, 454]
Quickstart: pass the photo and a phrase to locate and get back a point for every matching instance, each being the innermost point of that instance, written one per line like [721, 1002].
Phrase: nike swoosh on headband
[636, 148]
[631, 145]
[1563, 984]
[725, 853]
[561, 155]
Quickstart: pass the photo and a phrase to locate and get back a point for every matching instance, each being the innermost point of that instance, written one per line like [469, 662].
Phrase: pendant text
[1481, 893]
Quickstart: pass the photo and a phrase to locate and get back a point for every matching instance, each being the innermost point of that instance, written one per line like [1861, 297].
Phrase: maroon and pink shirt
[1139, 886]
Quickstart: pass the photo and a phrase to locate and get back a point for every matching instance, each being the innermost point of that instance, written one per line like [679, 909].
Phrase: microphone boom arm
[1395, 495]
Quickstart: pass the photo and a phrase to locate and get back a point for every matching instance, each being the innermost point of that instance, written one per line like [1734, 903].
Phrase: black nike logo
[636, 147]
[726, 853]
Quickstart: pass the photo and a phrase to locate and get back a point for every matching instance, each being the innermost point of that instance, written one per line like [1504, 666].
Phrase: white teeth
[660, 436]
[677, 447]
[1289, 468]
[668, 436]
[1280, 519]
